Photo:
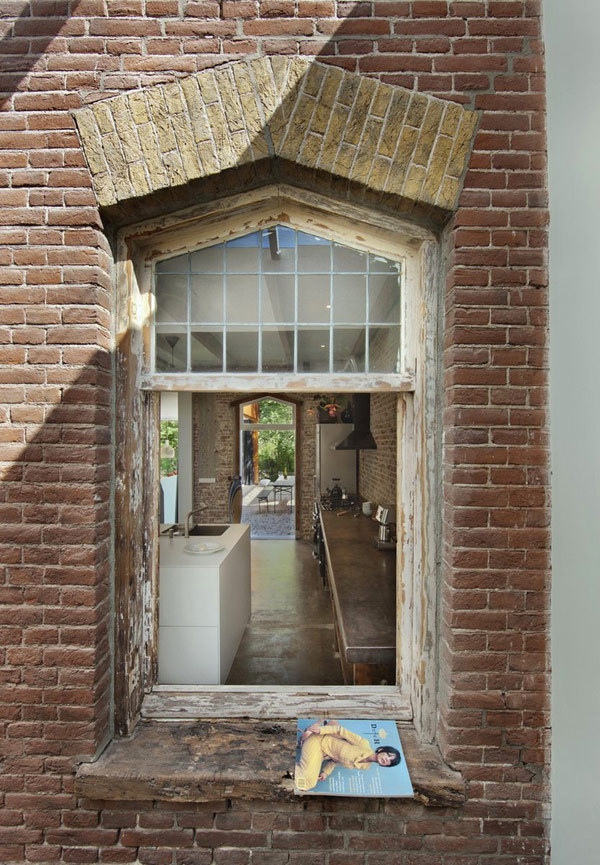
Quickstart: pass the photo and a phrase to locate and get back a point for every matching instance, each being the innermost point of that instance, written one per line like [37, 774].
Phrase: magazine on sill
[350, 758]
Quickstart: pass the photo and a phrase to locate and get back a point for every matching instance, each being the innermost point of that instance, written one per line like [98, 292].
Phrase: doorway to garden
[268, 447]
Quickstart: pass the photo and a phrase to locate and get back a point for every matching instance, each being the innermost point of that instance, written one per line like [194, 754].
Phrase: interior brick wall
[216, 495]
[55, 431]
[378, 468]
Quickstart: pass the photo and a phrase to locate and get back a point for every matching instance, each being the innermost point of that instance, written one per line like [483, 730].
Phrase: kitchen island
[362, 582]
[204, 606]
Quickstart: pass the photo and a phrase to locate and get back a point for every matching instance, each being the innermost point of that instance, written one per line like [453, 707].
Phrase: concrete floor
[289, 639]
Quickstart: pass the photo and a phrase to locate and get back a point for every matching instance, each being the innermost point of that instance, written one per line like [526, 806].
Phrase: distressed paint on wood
[205, 761]
[279, 383]
[275, 702]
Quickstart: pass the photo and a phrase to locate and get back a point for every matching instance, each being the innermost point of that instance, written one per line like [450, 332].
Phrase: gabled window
[278, 300]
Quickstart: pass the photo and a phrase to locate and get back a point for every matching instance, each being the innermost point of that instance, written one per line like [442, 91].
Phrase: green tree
[169, 439]
[276, 448]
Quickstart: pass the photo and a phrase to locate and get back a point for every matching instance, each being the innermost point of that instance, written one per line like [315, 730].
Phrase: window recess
[343, 231]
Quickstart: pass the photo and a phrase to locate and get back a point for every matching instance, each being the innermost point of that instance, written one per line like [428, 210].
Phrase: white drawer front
[188, 597]
[188, 656]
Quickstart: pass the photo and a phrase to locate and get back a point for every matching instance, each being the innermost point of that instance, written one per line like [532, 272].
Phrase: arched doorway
[268, 440]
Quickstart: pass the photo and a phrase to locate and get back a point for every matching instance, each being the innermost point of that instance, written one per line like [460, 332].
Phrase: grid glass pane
[170, 349]
[206, 295]
[349, 299]
[242, 349]
[171, 298]
[314, 254]
[314, 301]
[242, 299]
[384, 298]
[242, 254]
[278, 251]
[277, 349]
[349, 349]
[177, 264]
[206, 349]
[209, 260]
[278, 300]
[278, 303]
[384, 349]
[313, 349]
[347, 260]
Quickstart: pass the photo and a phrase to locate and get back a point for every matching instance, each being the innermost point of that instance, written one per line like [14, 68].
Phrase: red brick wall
[378, 468]
[55, 284]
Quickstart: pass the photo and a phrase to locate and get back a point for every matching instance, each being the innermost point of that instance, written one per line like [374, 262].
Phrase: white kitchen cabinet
[204, 606]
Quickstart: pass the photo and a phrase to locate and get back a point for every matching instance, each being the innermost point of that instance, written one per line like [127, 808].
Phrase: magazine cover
[350, 758]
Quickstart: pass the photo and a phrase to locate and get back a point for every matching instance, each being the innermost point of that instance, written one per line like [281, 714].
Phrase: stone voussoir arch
[399, 143]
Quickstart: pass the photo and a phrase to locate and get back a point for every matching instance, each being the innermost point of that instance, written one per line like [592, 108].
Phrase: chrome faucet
[191, 514]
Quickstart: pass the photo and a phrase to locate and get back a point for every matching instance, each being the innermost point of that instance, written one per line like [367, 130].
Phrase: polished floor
[289, 639]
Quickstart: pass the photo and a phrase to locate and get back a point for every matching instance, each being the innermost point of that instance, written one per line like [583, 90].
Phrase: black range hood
[361, 437]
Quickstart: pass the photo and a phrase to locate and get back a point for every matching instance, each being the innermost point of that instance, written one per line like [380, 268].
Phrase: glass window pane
[242, 349]
[278, 298]
[384, 349]
[379, 264]
[209, 260]
[206, 298]
[170, 350]
[313, 349]
[291, 282]
[242, 299]
[314, 254]
[278, 252]
[384, 298]
[207, 349]
[314, 303]
[277, 350]
[273, 411]
[242, 254]
[347, 260]
[171, 298]
[349, 299]
[349, 349]
[177, 264]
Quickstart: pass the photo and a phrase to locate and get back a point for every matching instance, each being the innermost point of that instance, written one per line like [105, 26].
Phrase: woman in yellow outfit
[326, 744]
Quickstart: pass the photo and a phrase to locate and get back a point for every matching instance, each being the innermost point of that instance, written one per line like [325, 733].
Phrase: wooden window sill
[204, 761]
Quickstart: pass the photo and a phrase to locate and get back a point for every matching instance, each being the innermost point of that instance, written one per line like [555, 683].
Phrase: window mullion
[330, 307]
[189, 315]
[367, 317]
[224, 326]
[260, 291]
[295, 301]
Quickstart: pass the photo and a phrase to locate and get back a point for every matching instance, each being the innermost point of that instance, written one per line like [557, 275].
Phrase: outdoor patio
[269, 509]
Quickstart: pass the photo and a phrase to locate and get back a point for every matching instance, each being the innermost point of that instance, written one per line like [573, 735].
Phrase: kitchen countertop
[173, 555]
[363, 584]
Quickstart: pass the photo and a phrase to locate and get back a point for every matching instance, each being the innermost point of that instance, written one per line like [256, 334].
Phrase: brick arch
[409, 147]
